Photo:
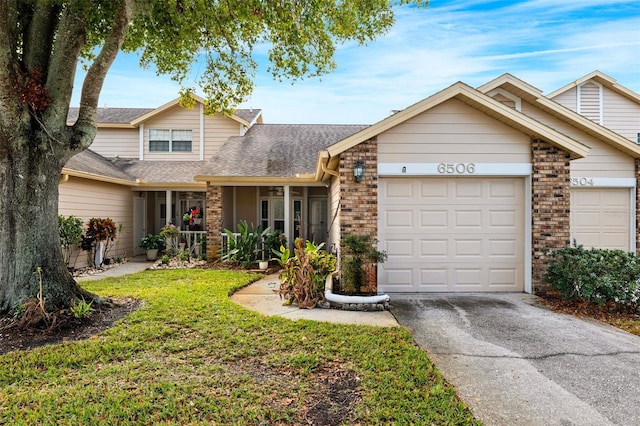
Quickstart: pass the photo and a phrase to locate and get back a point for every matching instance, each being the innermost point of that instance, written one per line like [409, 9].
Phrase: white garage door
[452, 234]
[600, 217]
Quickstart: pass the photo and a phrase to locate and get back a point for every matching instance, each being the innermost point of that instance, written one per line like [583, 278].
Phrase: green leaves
[299, 37]
[596, 275]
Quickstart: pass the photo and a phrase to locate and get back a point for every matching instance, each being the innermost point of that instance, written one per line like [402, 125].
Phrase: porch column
[168, 203]
[214, 221]
[287, 214]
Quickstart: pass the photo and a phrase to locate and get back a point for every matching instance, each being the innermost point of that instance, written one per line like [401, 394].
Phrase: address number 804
[456, 168]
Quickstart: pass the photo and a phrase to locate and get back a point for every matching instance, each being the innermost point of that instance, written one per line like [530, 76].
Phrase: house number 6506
[456, 168]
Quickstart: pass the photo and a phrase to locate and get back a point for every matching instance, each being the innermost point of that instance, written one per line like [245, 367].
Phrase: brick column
[550, 206]
[637, 206]
[214, 221]
[359, 200]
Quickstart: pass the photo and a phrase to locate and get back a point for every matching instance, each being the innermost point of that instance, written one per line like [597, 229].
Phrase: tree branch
[10, 110]
[39, 36]
[97, 72]
[70, 39]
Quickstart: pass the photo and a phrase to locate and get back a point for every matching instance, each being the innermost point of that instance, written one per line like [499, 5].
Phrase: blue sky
[547, 43]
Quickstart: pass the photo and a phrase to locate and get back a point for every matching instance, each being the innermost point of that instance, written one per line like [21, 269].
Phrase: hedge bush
[595, 275]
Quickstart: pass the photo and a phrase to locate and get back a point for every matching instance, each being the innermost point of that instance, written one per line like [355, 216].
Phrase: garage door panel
[468, 218]
[503, 248]
[399, 189]
[502, 190]
[434, 219]
[399, 219]
[433, 190]
[502, 277]
[468, 276]
[468, 248]
[601, 217]
[434, 248]
[503, 218]
[468, 189]
[433, 277]
[399, 248]
[469, 236]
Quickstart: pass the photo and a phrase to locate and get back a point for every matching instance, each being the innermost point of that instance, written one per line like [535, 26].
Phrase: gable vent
[590, 101]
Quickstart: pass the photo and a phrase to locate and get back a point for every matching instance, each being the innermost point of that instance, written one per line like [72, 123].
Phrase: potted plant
[360, 264]
[170, 234]
[152, 243]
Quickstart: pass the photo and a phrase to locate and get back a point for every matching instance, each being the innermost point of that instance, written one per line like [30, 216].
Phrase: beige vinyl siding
[568, 99]
[621, 115]
[117, 142]
[602, 161]
[175, 118]
[246, 205]
[86, 199]
[504, 100]
[217, 129]
[227, 207]
[453, 129]
[590, 101]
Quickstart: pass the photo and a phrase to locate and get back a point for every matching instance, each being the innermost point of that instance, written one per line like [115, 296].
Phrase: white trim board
[599, 182]
[454, 169]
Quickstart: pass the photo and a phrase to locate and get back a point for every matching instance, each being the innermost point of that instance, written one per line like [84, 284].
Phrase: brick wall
[359, 200]
[214, 221]
[550, 207]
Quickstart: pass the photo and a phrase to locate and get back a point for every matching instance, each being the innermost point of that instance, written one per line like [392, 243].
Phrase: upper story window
[170, 140]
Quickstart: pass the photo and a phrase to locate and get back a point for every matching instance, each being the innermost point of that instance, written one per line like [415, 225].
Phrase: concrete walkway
[518, 363]
[261, 296]
[136, 264]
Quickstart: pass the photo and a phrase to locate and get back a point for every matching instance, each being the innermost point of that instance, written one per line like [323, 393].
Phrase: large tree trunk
[29, 240]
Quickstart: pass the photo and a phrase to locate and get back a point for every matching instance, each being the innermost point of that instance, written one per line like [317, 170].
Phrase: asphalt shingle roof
[112, 115]
[275, 150]
[127, 115]
[91, 162]
[160, 171]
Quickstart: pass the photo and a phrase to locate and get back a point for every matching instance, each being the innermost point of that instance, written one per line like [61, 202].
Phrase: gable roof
[160, 173]
[531, 94]
[91, 165]
[475, 99]
[133, 117]
[245, 117]
[111, 116]
[274, 152]
[603, 79]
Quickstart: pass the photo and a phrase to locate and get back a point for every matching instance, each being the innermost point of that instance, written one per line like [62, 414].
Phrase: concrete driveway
[517, 363]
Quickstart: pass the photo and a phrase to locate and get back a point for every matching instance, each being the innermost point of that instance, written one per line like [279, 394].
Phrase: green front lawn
[191, 356]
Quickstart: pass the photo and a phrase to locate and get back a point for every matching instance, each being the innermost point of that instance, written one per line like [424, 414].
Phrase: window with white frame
[170, 140]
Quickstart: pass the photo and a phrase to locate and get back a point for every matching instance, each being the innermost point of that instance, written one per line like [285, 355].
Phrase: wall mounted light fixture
[358, 171]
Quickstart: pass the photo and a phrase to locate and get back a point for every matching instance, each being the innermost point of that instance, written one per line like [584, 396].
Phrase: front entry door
[139, 231]
[318, 220]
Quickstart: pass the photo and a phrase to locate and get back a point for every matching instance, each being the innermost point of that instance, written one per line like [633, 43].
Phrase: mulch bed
[65, 328]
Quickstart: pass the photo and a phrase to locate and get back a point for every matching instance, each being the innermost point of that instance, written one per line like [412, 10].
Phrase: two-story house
[465, 190]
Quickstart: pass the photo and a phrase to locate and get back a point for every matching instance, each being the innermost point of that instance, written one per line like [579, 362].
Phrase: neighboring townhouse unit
[143, 160]
[465, 190]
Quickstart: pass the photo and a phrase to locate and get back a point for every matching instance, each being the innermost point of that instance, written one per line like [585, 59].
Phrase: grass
[191, 356]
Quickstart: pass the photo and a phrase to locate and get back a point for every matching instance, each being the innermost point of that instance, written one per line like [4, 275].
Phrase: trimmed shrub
[596, 275]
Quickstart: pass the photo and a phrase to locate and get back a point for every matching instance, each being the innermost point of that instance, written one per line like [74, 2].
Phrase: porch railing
[225, 242]
[189, 241]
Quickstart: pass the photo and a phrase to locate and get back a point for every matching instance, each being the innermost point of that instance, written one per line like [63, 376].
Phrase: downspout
[339, 298]
[328, 171]
[64, 177]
